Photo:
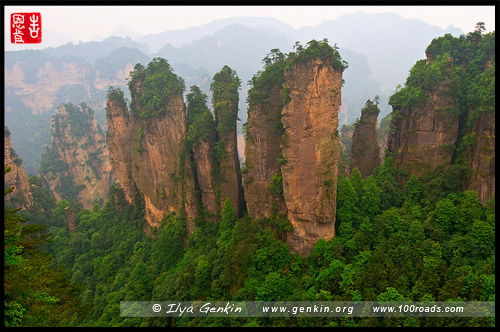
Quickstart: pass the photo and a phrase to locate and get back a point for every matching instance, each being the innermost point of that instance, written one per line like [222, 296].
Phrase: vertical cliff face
[346, 133]
[40, 90]
[263, 155]
[202, 153]
[424, 136]
[201, 142]
[155, 148]
[76, 166]
[225, 99]
[16, 177]
[150, 153]
[445, 113]
[365, 154]
[118, 140]
[383, 135]
[311, 151]
[482, 158]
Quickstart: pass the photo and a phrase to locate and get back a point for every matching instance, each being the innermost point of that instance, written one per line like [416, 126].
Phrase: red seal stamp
[25, 28]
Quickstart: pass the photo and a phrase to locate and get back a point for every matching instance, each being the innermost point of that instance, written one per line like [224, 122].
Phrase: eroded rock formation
[21, 196]
[118, 140]
[76, 166]
[201, 141]
[311, 150]
[225, 99]
[445, 115]
[423, 137]
[482, 158]
[263, 155]
[365, 154]
[148, 145]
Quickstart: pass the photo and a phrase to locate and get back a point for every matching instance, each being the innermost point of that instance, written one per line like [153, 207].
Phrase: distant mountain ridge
[380, 50]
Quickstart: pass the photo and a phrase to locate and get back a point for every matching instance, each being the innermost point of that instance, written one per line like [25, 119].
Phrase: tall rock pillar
[311, 150]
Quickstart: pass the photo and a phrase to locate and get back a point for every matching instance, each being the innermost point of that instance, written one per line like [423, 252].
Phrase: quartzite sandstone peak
[482, 158]
[311, 150]
[201, 141]
[262, 150]
[21, 196]
[76, 166]
[225, 86]
[421, 137]
[154, 135]
[445, 114]
[365, 154]
[118, 140]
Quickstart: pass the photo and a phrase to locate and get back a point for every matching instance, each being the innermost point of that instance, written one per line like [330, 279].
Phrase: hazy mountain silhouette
[179, 37]
[380, 50]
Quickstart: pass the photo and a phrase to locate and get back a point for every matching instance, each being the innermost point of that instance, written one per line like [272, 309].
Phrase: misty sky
[85, 23]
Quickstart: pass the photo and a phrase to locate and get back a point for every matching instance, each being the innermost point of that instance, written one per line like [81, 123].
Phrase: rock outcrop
[311, 150]
[263, 155]
[76, 166]
[444, 116]
[346, 134]
[41, 90]
[424, 136]
[365, 154]
[118, 139]
[482, 158]
[201, 142]
[21, 196]
[154, 134]
[383, 135]
[225, 86]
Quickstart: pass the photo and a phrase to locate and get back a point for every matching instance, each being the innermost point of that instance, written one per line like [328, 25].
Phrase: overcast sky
[85, 23]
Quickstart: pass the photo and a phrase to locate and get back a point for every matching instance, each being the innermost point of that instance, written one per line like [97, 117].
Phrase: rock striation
[118, 140]
[424, 136]
[225, 86]
[482, 158]
[201, 143]
[148, 145]
[311, 150]
[76, 166]
[383, 135]
[365, 154]
[16, 179]
[445, 115]
[263, 155]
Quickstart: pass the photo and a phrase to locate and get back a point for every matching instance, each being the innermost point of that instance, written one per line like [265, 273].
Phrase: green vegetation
[463, 71]
[427, 241]
[273, 75]
[79, 121]
[431, 241]
[371, 106]
[199, 119]
[51, 163]
[465, 64]
[35, 292]
[276, 185]
[383, 128]
[225, 86]
[276, 62]
[317, 50]
[158, 85]
[115, 95]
